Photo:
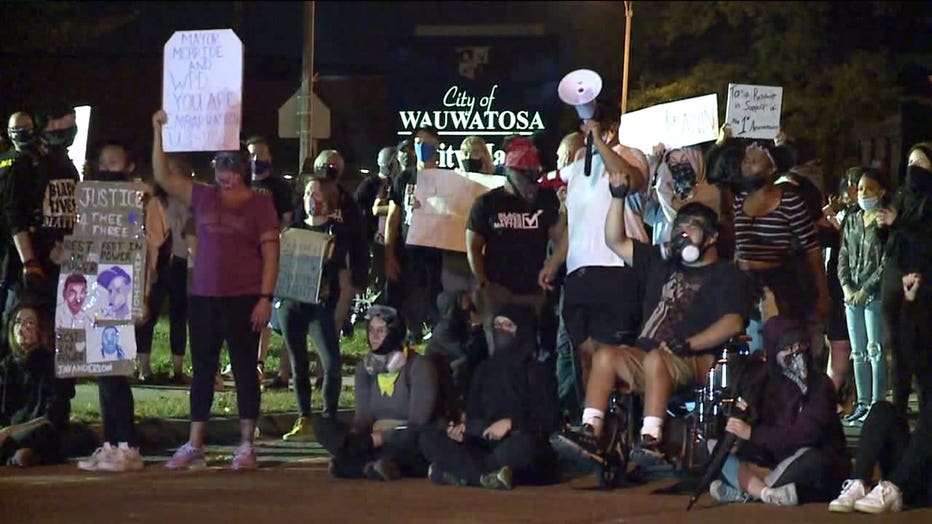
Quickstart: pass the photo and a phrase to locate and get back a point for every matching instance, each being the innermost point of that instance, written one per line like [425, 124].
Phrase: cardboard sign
[440, 206]
[202, 91]
[754, 111]
[674, 124]
[101, 286]
[110, 209]
[301, 261]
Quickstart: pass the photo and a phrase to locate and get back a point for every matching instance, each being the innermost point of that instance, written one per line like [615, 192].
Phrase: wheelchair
[694, 416]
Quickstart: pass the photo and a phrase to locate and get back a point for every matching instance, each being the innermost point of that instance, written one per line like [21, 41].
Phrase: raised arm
[177, 186]
[615, 237]
[614, 163]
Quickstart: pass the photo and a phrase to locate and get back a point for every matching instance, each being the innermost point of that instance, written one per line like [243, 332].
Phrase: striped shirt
[775, 235]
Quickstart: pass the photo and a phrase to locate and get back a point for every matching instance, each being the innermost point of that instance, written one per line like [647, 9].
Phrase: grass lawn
[173, 403]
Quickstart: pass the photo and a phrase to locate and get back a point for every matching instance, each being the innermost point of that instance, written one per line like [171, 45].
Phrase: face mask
[684, 178]
[752, 183]
[23, 138]
[425, 152]
[868, 203]
[260, 167]
[918, 179]
[502, 340]
[315, 208]
[474, 165]
[794, 367]
[61, 137]
[389, 363]
[111, 176]
[688, 252]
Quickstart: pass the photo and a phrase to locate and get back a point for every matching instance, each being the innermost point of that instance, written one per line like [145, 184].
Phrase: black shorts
[602, 303]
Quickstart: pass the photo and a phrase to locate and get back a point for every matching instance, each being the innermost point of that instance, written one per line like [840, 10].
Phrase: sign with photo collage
[102, 282]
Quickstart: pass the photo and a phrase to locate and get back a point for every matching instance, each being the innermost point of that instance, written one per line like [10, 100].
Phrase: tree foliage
[831, 59]
[53, 27]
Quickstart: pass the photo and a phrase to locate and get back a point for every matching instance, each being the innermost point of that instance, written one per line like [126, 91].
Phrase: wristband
[619, 192]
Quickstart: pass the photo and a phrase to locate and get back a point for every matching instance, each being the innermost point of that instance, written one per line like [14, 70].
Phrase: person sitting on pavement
[904, 458]
[35, 406]
[511, 411]
[458, 339]
[396, 398]
[793, 451]
[694, 302]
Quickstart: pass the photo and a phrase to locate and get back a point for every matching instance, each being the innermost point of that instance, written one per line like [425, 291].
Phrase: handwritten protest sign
[444, 198]
[675, 124]
[300, 265]
[102, 283]
[202, 88]
[754, 111]
[100, 287]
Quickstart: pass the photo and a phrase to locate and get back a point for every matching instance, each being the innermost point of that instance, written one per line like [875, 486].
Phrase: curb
[161, 434]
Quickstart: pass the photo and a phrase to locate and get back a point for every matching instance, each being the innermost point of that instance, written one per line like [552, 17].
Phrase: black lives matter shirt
[681, 301]
[516, 234]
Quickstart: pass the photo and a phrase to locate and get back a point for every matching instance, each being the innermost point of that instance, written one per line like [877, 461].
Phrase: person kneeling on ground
[794, 452]
[510, 412]
[396, 397]
[904, 459]
[35, 405]
[694, 302]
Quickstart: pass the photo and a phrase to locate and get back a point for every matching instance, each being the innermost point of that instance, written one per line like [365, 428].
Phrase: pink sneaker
[244, 457]
[186, 457]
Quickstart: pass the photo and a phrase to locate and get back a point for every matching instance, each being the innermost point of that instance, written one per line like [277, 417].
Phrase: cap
[522, 154]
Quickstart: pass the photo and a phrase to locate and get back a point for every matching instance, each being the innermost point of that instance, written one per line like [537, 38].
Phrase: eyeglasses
[29, 323]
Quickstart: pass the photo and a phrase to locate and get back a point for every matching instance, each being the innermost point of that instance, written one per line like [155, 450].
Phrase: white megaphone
[579, 89]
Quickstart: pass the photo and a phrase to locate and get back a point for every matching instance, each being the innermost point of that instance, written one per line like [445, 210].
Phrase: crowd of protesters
[629, 275]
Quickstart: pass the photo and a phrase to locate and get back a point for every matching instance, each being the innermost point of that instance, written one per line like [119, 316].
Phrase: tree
[838, 64]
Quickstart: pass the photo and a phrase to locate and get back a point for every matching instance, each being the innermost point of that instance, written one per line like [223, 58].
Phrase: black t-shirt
[402, 194]
[279, 191]
[371, 188]
[681, 301]
[338, 257]
[516, 235]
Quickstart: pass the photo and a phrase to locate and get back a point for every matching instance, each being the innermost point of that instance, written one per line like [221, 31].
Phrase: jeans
[116, 410]
[569, 379]
[530, 456]
[904, 459]
[215, 320]
[172, 282]
[865, 330]
[297, 320]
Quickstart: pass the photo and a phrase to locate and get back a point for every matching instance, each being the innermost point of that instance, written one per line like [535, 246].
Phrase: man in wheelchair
[693, 303]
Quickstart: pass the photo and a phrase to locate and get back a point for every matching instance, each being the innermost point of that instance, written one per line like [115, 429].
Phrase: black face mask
[473, 165]
[61, 137]
[524, 187]
[752, 183]
[684, 178]
[111, 176]
[502, 341]
[918, 179]
[23, 138]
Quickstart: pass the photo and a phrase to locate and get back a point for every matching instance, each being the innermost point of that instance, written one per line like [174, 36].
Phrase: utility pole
[305, 104]
[629, 13]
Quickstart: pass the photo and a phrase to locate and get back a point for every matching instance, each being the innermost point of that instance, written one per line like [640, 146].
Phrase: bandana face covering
[792, 362]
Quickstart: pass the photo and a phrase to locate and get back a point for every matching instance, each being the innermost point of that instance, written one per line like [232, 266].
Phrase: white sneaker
[852, 491]
[122, 458]
[784, 495]
[100, 454]
[884, 498]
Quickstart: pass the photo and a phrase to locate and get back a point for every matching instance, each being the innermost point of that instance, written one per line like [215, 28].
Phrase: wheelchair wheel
[616, 451]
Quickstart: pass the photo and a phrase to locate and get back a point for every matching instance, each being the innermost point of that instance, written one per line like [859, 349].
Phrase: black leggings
[908, 327]
[215, 320]
[903, 459]
[172, 282]
[530, 456]
[818, 475]
[352, 451]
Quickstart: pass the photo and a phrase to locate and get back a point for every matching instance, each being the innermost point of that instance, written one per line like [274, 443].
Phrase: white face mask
[868, 203]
